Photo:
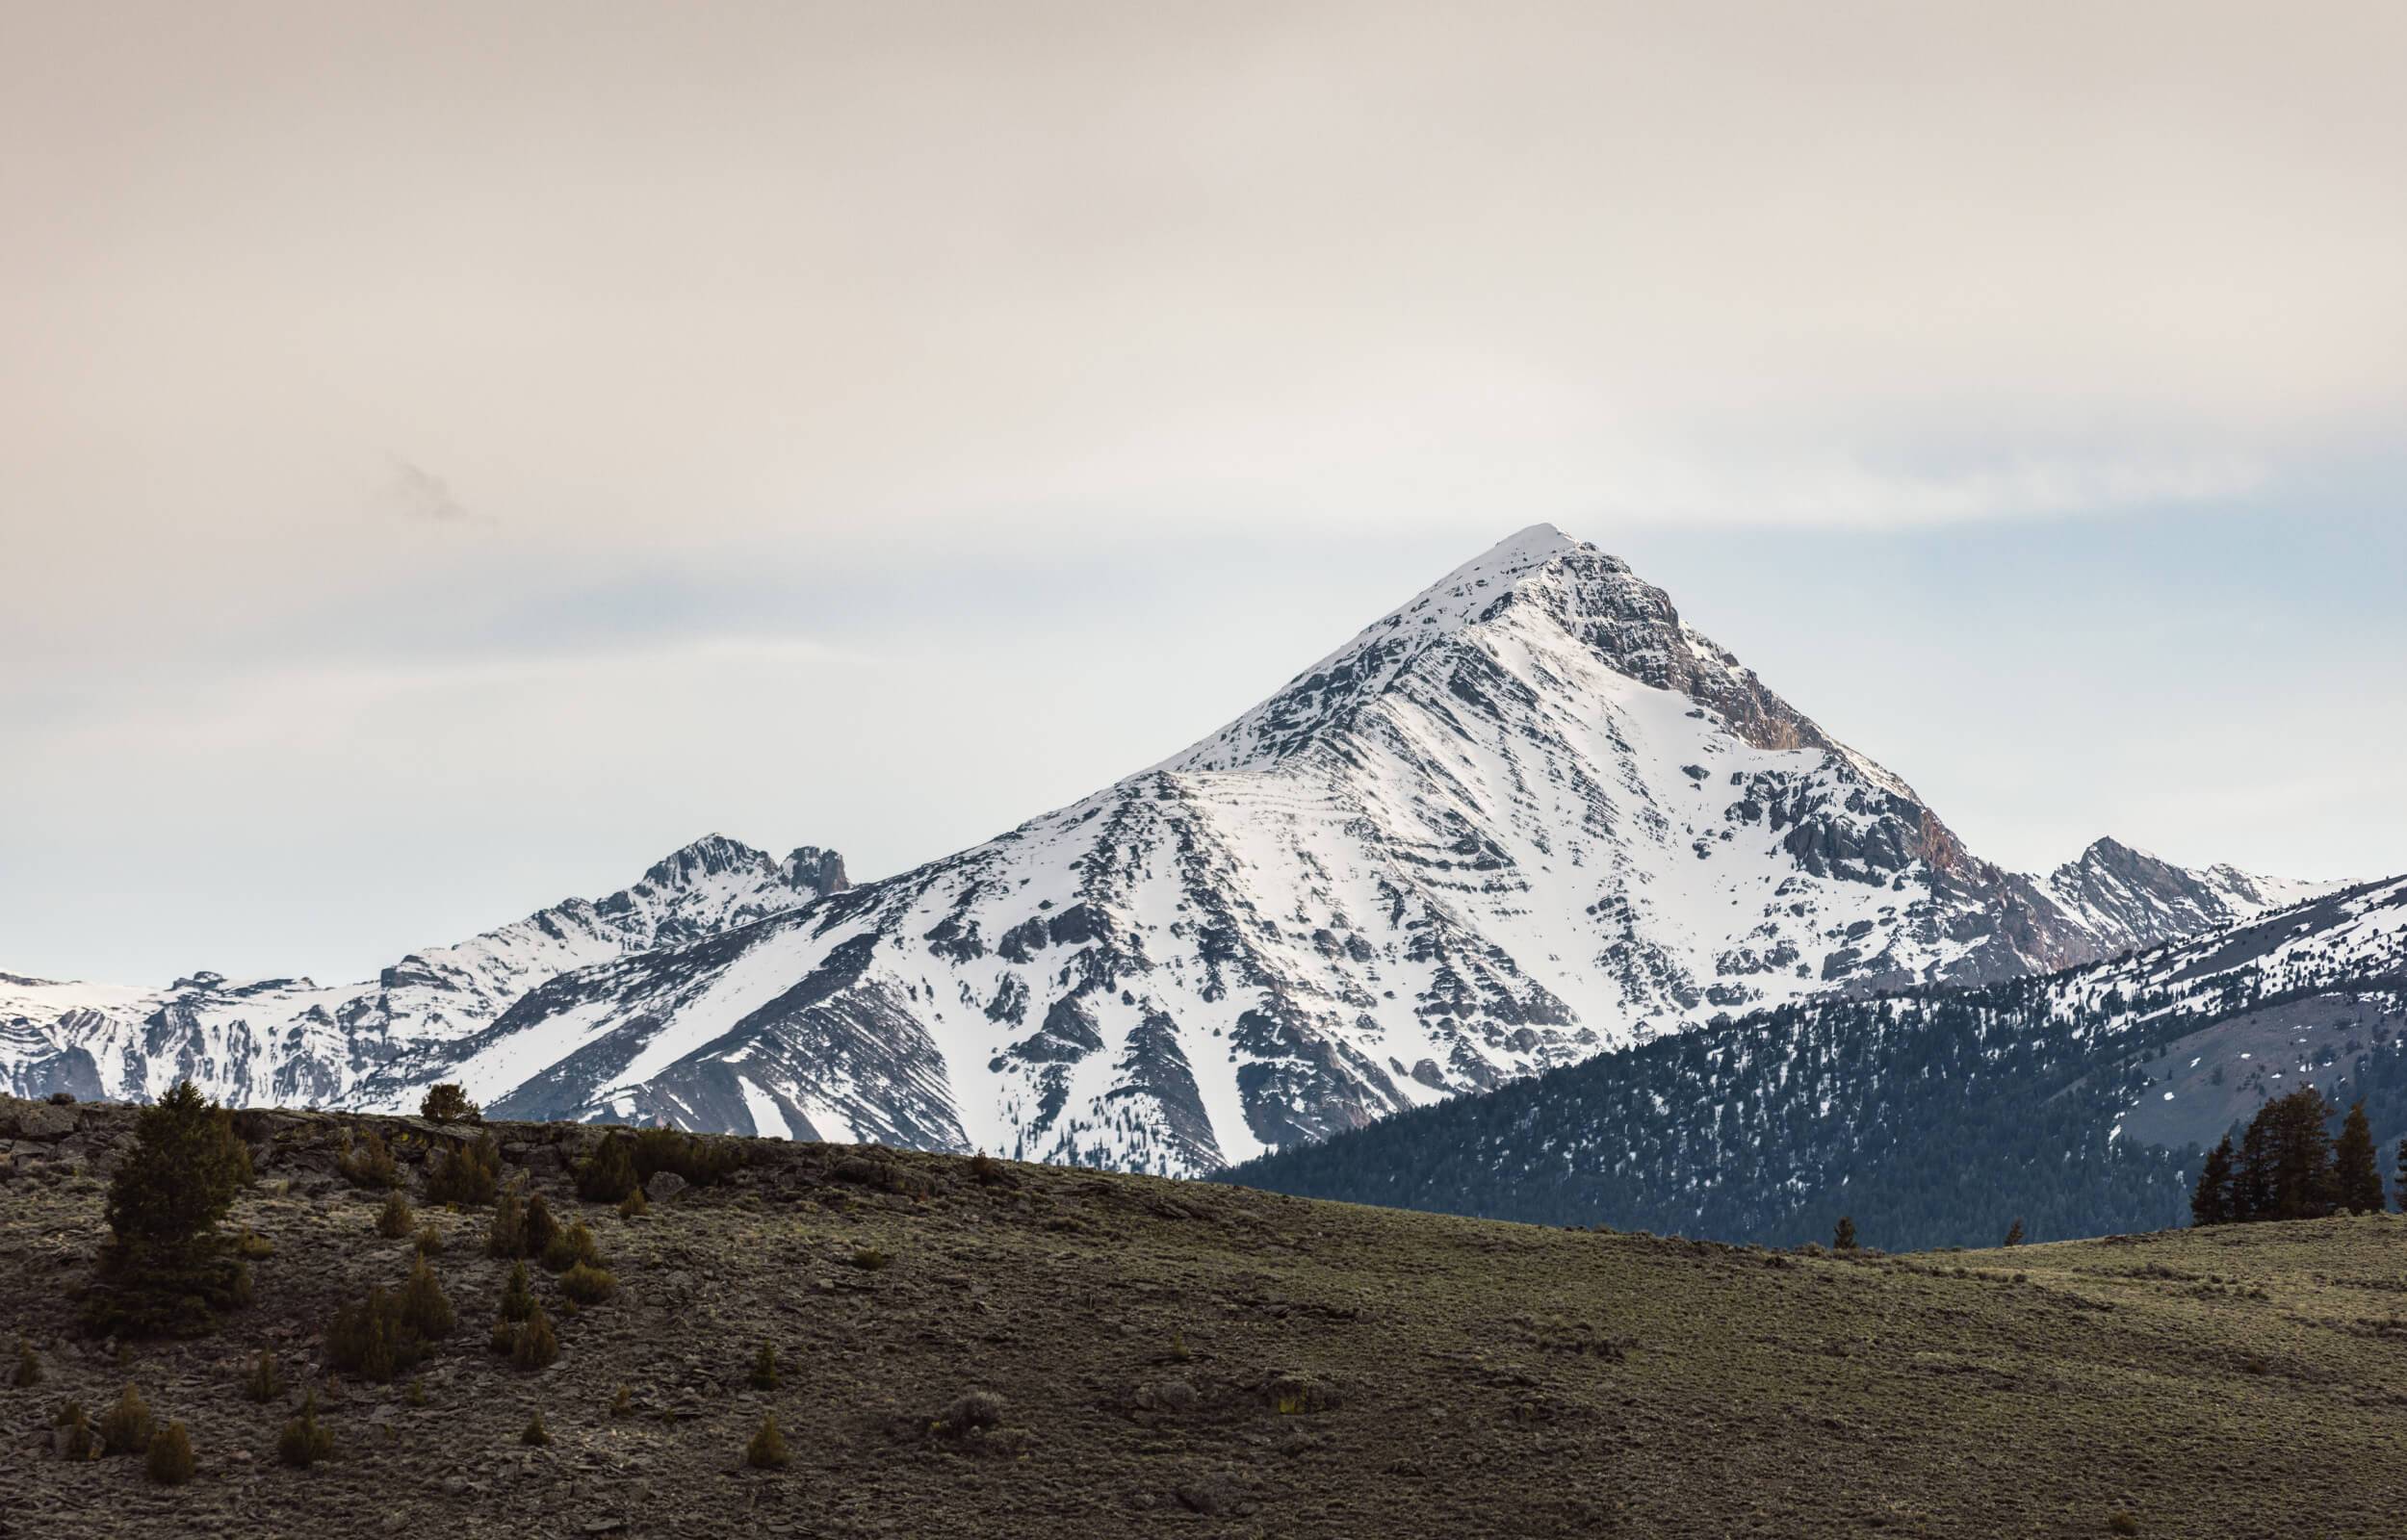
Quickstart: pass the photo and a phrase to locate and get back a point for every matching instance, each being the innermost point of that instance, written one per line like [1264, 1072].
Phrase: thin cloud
[419, 494]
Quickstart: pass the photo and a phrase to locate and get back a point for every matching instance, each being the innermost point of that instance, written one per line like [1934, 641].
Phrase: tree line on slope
[2289, 1167]
[1930, 1120]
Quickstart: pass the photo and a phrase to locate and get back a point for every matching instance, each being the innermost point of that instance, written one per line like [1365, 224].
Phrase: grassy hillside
[1208, 1360]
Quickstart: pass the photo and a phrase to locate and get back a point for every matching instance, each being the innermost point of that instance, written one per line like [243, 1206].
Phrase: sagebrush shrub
[127, 1428]
[588, 1285]
[537, 1346]
[635, 1205]
[303, 1443]
[467, 1174]
[508, 1236]
[542, 1230]
[518, 1301]
[170, 1456]
[768, 1449]
[396, 1220]
[77, 1441]
[570, 1247]
[367, 1161]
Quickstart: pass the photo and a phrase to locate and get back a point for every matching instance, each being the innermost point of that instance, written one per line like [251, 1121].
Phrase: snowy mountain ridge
[294, 1042]
[1525, 817]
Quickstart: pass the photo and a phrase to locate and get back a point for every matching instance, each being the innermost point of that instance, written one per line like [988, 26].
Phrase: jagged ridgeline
[1529, 816]
[2078, 1104]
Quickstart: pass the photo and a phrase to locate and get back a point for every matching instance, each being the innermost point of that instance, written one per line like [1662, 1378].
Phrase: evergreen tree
[2402, 1174]
[2302, 1185]
[165, 1270]
[1842, 1238]
[2014, 1231]
[2212, 1204]
[2354, 1171]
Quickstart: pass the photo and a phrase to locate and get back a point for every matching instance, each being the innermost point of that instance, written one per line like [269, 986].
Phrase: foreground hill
[1165, 1357]
[1528, 815]
[2077, 1103]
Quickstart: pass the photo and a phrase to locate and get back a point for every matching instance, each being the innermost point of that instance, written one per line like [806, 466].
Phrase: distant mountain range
[1526, 817]
[376, 1044]
[2078, 1103]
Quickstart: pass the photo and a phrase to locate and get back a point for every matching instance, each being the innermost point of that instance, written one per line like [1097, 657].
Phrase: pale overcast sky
[451, 455]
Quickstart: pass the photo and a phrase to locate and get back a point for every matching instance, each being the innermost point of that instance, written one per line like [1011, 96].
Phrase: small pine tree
[518, 1301]
[635, 1205]
[127, 1428]
[542, 1230]
[1842, 1237]
[170, 1457]
[2014, 1231]
[535, 1436]
[429, 1239]
[570, 1247]
[768, 1449]
[608, 1174]
[164, 1270]
[303, 1443]
[623, 1404]
[2355, 1172]
[588, 1285]
[467, 1174]
[2213, 1201]
[508, 1236]
[449, 1103]
[367, 1161]
[426, 1311]
[261, 1384]
[417, 1396]
[28, 1372]
[764, 1368]
[396, 1220]
[2402, 1175]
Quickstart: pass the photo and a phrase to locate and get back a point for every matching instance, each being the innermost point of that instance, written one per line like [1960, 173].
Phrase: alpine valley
[1526, 818]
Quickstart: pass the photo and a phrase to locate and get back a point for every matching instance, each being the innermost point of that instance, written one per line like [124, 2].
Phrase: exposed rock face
[293, 1042]
[1527, 816]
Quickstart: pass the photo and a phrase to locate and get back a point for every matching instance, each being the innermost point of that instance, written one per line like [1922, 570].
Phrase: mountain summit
[1529, 816]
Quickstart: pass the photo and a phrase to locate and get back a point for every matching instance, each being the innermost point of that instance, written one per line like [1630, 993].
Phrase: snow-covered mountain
[377, 1043]
[1526, 817]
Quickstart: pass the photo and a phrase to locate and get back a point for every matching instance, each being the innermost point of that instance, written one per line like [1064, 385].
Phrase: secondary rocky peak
[821, 871]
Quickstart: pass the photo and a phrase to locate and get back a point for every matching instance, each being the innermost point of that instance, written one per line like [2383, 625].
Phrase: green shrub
[586, 1284]
[508, 1236]
[764, 1368]
[768, 1449]
[2123, 1524]
[870, 1259]
[607, 1175]
[28, 1372]
[542, 1230]
[426, 1311]
[624, 1161]
[397, 1220]
[367, 1161]
[623, 1404]
[449, 1103]
[635, 1205]
[537, 1346]
[261, 1384]
[127, 1427]
[170, 1459]
[164, 1270]
[504, 1338]
[79, 1444]
[535, 1436]
[429, 1239]
[518, 1301]
[468, 1174]
[303, 1443]
[570, 1248]
[417, 1396]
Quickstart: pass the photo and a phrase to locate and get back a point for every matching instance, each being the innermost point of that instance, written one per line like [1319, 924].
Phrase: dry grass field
[1008, 1351]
